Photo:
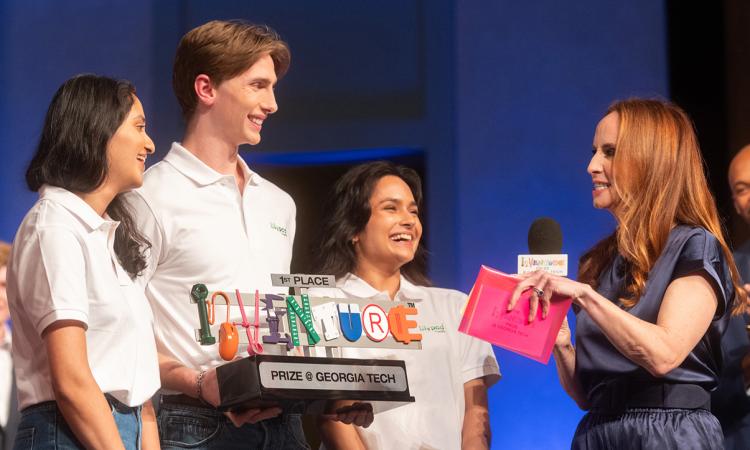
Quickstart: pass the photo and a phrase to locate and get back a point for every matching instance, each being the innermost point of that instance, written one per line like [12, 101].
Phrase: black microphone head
[545, 237]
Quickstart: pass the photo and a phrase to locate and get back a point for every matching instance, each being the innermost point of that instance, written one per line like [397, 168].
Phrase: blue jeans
[185, 426]
[43, 427]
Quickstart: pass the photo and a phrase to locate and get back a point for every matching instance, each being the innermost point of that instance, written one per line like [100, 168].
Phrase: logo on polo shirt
[281, 230]
[437, 328]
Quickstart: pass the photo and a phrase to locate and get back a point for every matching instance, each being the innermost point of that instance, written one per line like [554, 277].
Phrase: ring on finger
[539, 292]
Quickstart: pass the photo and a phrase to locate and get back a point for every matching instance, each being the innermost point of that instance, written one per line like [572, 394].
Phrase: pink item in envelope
[486, 318]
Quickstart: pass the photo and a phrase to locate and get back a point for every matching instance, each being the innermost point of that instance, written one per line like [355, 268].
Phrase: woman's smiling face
[391, 236]
[600, 168]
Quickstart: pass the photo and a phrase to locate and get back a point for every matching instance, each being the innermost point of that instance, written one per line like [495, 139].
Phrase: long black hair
[84, 114]
[347, 212]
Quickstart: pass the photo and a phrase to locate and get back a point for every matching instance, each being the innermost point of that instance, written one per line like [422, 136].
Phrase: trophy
[293, 341]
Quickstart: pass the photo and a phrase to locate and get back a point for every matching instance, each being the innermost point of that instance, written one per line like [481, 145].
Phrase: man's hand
[254, 415]
[210, 394]
[351, 413]
[209, 390]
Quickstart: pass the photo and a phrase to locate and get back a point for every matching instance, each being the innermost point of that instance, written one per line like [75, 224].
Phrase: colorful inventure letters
[328, 322]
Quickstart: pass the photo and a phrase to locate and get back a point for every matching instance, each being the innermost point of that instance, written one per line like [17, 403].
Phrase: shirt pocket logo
[278, 228]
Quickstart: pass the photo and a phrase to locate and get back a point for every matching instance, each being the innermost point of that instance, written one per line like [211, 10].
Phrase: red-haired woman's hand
[545, 286]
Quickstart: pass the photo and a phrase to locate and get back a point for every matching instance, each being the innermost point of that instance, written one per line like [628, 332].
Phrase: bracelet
[199, 386]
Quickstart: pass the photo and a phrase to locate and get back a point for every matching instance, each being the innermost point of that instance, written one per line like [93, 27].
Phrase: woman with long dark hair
[654, 297]
[372, 243]
[84, 353]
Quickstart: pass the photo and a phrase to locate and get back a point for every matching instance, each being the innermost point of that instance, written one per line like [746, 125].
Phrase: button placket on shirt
[252, 238]
[237, 199]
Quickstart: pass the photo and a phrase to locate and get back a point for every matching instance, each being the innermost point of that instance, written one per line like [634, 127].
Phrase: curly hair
[347, 212]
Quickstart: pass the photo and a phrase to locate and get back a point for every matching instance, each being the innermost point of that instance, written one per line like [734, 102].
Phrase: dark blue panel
[349, 59]
[48, 42]
[533, 80]
[312, 158]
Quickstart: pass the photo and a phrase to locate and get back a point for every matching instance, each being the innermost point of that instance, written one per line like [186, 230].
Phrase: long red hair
[658, 175]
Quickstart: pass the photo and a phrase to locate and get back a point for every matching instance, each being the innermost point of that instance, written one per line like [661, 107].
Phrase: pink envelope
[486, 317]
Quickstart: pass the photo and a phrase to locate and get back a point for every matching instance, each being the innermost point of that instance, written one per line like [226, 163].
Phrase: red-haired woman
[654, 297]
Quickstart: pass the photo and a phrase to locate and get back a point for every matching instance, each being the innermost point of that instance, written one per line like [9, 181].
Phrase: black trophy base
[305, 384]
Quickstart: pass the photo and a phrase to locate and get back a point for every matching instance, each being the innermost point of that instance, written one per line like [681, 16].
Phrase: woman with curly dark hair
[372, 243]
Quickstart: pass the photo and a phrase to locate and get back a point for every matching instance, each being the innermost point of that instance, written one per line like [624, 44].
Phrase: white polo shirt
[63, 267]
[202, 230]
[436, 373]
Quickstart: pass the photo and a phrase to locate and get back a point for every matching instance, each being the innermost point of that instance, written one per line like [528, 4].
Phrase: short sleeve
[477, 358]
[52, 278]
[702, 252]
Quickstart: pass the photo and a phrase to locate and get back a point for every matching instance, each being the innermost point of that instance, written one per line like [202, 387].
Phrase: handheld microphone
[545, 249]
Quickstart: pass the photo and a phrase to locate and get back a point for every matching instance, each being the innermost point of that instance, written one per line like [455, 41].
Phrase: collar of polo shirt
[195, 169]
[355, 286]
[76, 206]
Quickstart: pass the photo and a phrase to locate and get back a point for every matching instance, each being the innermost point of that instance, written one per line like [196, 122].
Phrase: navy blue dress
[630, 408]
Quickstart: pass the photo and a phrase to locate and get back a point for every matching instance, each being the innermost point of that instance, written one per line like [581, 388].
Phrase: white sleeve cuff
[61, 314]
[490, 371]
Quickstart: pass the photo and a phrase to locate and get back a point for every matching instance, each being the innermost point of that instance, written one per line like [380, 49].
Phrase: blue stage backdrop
[533, 80]
[501, 96]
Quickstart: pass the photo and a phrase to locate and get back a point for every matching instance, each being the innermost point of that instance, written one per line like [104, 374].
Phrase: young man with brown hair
[212, 220]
